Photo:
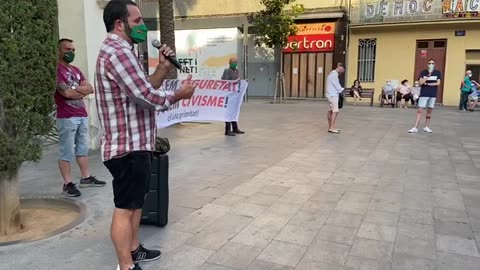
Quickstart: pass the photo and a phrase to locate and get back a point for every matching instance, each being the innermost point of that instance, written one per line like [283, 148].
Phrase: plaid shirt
[126, 101]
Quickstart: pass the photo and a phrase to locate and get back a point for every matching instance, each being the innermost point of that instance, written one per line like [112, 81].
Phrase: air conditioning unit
[102, 3]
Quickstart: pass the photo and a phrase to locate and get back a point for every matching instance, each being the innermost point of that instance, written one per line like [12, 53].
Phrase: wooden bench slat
[366, 93]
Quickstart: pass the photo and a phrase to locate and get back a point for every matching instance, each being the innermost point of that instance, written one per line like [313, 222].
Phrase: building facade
[378, 40]
[321, 41]
[394, 39]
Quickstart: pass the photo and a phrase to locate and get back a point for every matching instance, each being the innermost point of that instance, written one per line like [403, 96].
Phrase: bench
[367, 93]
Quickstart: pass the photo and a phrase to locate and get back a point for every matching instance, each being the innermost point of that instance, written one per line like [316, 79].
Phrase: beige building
[394, 39]
[322, 41]
[377, 45]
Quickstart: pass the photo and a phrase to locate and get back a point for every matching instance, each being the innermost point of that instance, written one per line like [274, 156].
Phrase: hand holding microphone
[166, 55]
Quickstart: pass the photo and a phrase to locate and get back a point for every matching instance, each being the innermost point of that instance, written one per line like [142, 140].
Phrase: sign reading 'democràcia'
[391, 11]
[379, 11]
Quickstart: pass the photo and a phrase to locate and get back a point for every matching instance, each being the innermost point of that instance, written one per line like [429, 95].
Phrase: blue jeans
[73, 137]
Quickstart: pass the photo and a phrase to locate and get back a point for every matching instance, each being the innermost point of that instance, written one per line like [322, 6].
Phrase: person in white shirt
[334, 89]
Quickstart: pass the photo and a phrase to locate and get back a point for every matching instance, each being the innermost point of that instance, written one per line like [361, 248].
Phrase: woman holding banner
[232, 74]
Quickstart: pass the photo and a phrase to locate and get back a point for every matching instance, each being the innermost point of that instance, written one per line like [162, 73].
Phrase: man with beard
[127, 102]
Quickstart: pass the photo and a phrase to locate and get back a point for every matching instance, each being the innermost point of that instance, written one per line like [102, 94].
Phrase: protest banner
[213, 100]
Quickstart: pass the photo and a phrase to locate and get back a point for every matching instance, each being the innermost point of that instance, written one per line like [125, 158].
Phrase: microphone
[156, 43]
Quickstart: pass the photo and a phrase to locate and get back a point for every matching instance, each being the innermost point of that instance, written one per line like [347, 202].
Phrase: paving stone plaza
[288, 195]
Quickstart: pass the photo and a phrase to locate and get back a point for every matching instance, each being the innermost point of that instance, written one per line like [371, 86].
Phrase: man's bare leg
[428, 117]
[136, 217]
[65, 171]
[419, 116]
[83, 164]
[121, 233]
[329, 117]
[333, 121]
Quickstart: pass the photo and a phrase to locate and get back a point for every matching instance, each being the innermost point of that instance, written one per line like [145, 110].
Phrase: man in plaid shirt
[126, 102]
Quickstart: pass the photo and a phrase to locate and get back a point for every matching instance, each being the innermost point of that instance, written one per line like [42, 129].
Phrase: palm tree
[167, 29]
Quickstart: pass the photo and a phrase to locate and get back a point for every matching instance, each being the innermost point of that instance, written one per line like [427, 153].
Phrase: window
[366, 59]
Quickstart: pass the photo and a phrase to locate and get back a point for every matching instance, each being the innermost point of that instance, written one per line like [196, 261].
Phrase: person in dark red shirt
[72, 119]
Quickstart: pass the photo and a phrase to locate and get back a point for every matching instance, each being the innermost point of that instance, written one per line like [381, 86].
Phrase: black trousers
[463, 101]
[230, 126]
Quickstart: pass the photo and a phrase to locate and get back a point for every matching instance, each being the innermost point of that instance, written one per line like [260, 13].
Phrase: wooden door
[306, 73]
[431, 49]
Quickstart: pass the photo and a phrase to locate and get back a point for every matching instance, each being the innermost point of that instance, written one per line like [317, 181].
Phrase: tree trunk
[278, 58]
[167, 29]
[9, 203]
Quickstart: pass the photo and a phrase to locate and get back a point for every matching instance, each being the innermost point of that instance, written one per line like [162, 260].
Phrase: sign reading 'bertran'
[315, 37]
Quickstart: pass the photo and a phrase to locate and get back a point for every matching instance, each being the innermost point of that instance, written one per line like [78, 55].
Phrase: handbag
[162, 145]
[340, 101]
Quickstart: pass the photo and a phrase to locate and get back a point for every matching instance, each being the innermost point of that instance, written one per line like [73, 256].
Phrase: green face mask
[233, 65]
[69, 57]
[137, 33]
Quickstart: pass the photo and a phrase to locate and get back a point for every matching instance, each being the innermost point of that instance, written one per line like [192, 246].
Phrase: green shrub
[28, 33]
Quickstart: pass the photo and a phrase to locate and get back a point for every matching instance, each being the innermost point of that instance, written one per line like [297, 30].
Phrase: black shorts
[131, 176]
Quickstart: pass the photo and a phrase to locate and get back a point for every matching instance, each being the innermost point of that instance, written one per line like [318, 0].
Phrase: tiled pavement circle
[288, 195]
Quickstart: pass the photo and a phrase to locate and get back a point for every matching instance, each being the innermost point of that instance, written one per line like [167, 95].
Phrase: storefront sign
[377, 11]
[317, 37]
[461, 7]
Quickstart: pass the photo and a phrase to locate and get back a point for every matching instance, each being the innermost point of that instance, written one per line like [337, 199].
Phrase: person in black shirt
[429, 80]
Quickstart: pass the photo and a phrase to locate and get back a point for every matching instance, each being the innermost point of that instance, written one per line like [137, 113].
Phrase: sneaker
[145, 255]
[427, 129]
[91, 181]
[71, 190]
[413, 130]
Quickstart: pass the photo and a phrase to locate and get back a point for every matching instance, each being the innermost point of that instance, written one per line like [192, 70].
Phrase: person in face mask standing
[232, 73]
[72, 120]
[429, 80]
[466, 90]
[127, 102]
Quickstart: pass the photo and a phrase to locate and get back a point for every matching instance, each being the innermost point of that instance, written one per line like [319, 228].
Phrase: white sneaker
[413, 130]
[427, 129]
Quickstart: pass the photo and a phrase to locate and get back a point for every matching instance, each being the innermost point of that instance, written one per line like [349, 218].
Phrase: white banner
[213, 100]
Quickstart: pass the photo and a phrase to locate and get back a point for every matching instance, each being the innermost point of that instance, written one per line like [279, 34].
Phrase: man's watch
[74, 87]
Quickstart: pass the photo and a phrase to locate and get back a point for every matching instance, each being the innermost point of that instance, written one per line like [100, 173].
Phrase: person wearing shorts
[429, 80]
[473, 97]
[334, 89]
[127, 102]
[72, 120]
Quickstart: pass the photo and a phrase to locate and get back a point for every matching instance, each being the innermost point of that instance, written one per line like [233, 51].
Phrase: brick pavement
[287, 195]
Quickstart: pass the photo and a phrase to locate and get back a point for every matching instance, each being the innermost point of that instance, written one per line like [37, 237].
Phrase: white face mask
[431, 67]
[388, 83]
[470, 75]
